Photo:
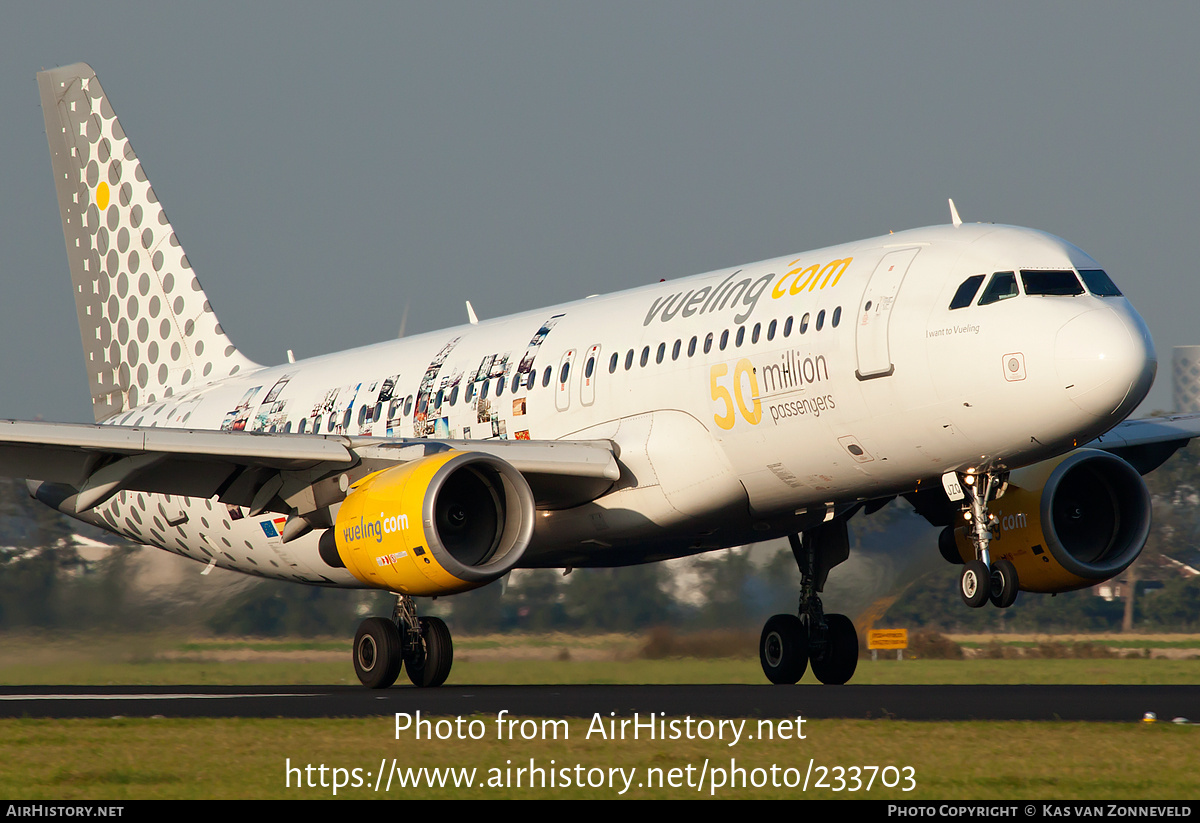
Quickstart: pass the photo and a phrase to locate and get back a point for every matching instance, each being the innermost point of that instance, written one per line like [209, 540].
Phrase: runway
[1070, 703]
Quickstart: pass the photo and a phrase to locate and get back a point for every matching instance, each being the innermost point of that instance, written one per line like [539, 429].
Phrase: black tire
[948, 547]
[975, 584]
[783, 649]
[377, 653]
[1005, 584]
[431, 668]
[835, 665]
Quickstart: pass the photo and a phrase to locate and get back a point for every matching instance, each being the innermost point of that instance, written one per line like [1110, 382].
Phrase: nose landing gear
[983, 580]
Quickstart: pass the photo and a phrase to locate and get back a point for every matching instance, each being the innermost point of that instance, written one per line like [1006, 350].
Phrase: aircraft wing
[268, 472]
[1147, 442]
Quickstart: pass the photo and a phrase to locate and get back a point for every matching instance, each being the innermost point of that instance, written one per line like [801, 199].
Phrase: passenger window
[662, 350]
[1050, 283]
[590, 367]
[787, 327]
[724, 339]
[771, 330]
[546, 377]
[966, 292]
[708, 343]
[820, 319]
[566, 370]
[454, 395]
[1099, 284]
[804, 323]
[629, 360]
[741, 335]
[645, 356]
[303, 425]
[470, 392]
[408, 406]
[1002, 286]
[837, 317]
[500, 387]
[483, 393]
[692, 346]
[612, 363]
[530, 378]
[754, 334]
[675, 349]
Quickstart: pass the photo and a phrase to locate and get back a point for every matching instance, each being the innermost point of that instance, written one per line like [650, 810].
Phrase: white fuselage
[746, 403]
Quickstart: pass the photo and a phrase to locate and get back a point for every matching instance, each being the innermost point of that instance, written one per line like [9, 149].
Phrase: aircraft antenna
[404, 317]
[954, 218]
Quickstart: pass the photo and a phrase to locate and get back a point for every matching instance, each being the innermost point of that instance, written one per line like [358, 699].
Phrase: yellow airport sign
[887, 639]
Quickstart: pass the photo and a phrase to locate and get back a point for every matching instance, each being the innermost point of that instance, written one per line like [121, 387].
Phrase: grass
[553, 658]
[1189, 642]
[125, 759]
[189, 759]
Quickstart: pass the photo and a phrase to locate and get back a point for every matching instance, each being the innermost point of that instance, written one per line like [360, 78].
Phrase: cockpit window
[1061, 283]
[1002, 286]
[966, 292]
[1098, 283]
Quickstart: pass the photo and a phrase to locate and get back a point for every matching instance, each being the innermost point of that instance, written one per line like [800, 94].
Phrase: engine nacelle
[446, 523]
[1068, 523]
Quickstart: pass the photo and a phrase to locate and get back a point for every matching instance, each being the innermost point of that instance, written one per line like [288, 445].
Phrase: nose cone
[1106, 361]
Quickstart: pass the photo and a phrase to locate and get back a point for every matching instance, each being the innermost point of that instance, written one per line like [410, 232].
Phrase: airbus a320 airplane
[962, 366]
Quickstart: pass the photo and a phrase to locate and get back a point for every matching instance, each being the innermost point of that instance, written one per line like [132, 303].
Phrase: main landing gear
[422, 645]
[982, 579]
[828, 642]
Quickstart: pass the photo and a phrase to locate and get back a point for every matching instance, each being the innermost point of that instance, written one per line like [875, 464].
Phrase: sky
[327, 165]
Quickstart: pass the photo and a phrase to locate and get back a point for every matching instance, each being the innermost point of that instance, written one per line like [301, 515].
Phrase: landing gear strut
[981, 579]
[422, 645]
[789, 643]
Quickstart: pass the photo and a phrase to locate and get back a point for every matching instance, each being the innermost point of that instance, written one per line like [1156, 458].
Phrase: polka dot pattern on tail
[120, 244]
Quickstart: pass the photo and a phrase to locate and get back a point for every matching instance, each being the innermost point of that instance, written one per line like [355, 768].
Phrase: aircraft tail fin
[147, 327]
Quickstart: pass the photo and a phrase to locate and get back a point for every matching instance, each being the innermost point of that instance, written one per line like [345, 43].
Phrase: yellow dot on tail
[102, 196]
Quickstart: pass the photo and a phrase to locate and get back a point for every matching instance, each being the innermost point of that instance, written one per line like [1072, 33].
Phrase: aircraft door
[587, 380]
[562, 388]
[875, 311]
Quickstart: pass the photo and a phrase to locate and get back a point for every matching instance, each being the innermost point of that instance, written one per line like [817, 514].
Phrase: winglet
[471, 314]
[954, 218]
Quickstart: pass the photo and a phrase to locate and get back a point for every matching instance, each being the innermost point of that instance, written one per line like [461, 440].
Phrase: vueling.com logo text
[365, 529]
[743, 292]
[812, 277]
